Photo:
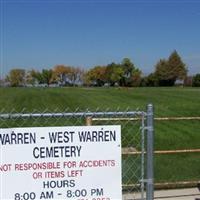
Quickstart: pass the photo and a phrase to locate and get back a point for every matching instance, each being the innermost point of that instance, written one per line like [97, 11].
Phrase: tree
[47, 75]
[75, 75]
[66, 75]
[31, 77]
[16, 77]
[113, 74]
[116, 75]
[196, 80]
[176, 66]
[122, 74]
[60, 74]
[168, 71]
[136, 78]
[163, 74]
[150, 80]
[128, 68]
[131, 75]
[96, 76]
[37, 76]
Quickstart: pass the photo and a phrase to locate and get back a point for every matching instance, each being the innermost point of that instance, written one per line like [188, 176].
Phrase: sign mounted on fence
[80, 162]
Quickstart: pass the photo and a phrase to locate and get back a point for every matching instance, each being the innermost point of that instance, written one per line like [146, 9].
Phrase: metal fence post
[150, 141]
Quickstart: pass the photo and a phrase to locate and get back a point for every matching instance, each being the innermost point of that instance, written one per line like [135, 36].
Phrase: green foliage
[136, 78]
[122, 74]
[196, 80]
[96, 76]
[163, 73]
[47, 76]
[168, 71]
[128, 68]
[176, 66]
[114, 74]
[150, 81]
[44, 77]
[38, 76]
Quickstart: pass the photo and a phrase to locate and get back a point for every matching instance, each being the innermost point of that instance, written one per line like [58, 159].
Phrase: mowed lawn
[168, 102]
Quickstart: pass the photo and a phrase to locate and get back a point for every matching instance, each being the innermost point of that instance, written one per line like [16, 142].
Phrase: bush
[196, 81]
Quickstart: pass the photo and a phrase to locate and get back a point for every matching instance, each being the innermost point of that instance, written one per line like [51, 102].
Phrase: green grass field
[169, 135]
[167, 101]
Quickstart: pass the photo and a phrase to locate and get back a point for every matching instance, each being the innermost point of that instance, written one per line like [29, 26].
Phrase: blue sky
[40, 34]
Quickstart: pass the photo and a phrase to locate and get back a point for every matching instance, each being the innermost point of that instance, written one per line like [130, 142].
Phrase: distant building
[179, 82]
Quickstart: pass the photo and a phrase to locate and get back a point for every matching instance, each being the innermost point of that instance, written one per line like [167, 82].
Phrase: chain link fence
[137, 146]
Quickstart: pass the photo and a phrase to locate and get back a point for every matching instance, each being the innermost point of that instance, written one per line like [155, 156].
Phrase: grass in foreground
[169, 135]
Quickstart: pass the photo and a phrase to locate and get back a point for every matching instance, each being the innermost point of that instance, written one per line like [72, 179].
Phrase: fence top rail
[155, 118]
[72, 114]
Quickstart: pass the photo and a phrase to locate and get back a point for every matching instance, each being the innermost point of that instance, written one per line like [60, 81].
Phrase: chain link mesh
[132, 136]
[177, 157]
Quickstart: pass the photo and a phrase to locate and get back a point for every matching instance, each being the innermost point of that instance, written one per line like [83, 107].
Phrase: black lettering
[17, 138]
[97, 136]
[57, 152]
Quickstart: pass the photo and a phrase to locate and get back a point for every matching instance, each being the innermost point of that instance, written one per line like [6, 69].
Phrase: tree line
[167, 72]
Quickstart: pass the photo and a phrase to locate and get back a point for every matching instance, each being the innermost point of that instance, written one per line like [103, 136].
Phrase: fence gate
[136, 138]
